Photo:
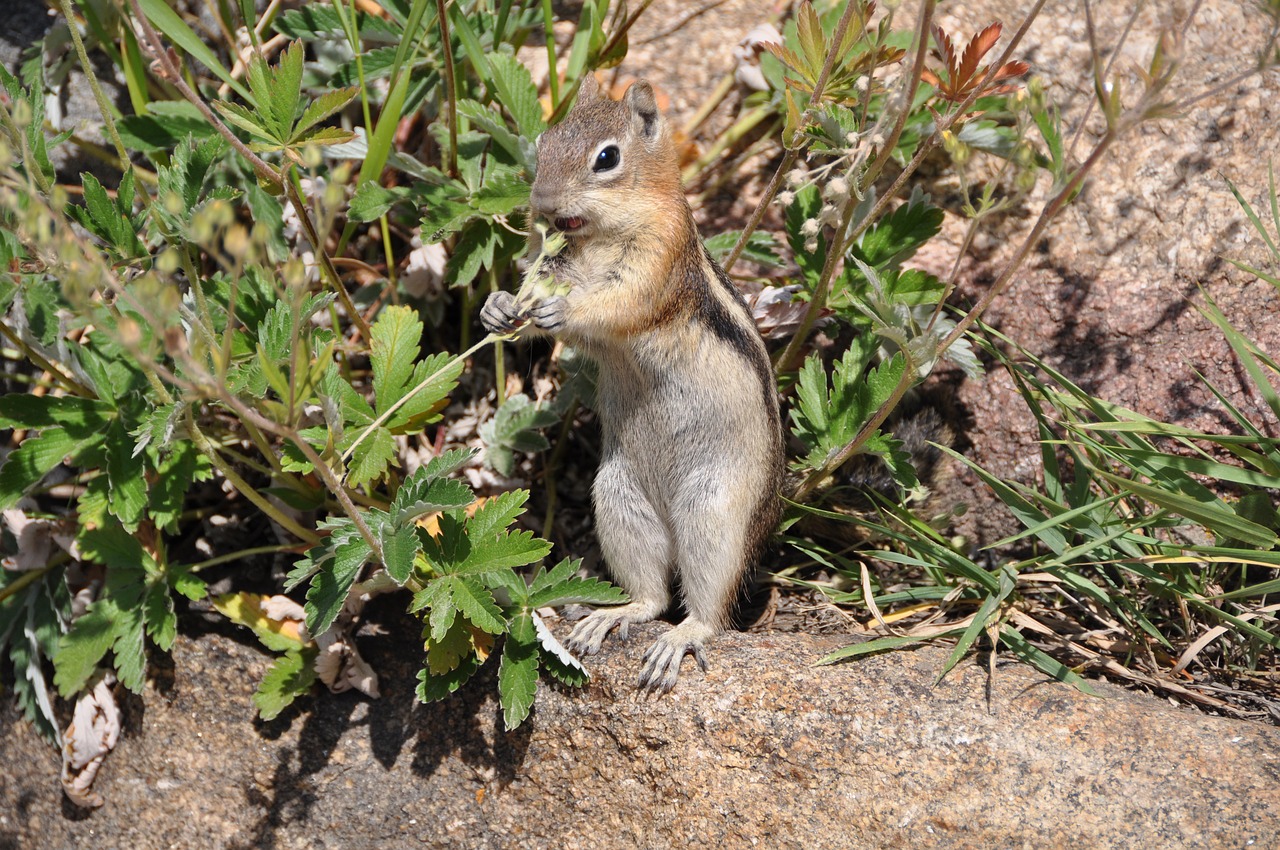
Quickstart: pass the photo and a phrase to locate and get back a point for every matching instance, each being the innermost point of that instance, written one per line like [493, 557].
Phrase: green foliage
[516, 427]
[190, 329]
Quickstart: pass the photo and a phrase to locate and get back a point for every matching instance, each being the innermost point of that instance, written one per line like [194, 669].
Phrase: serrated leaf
[503, 192]
[246, 120]
[497, 513]
[323, 136]
[423, 494]
[81, 649]
[581, 591]
[518, 672]
[372, 458]
[433, 688]
[371, 201]
[394, 344]
[473, 251]
[450, 651]
[127, 496]
[290, 677]
[477, 605]
[433, 379]
[400, 546]
[162, 622]
[761, 248]
[78, 415]
[558, 660]
[30, 462]
[191, 586]
[517, 93]
[899, 234]
[332, 583]
[322, 107]
[515, 428]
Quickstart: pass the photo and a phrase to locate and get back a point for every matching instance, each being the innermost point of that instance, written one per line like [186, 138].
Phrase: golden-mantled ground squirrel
[692, 459]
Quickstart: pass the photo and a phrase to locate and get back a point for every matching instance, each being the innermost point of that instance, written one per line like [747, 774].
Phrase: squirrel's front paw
[549, 314]
[500, 314]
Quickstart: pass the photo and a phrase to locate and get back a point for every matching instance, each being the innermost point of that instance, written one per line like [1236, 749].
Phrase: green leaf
[394, 345]
[162, 622]
[115, 620]
[371, 201]
[290, 677]
[78, 415]
[899, 234]
[826, 419]
[433, 688]
[372, 458]
[127, 497]
[807, 204]
[165, 126]
[30, 462]
[497, 513]
[423, 493]
[1043, 662]
[503, 192]
[761, 248]
[400, 546]
[871, 647]
[1214, 515]
[515, 428]
[245, 119]
[518, 672]
[477, 605]
[339, 559]
[578, 591]
[81, 649]
[986, 613]
[322, 107]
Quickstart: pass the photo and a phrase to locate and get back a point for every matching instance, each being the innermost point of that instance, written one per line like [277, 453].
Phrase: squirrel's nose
[542, 199]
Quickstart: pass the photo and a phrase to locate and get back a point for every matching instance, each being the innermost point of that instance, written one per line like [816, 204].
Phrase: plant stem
[243, 553]
[29, 577]
[499, 355]
[836, 247]
[451, 90]
[553, 75]
[789, 158]
[326, 264]
[104, 106]
[207, 447]
[740, 128]
[553, 463]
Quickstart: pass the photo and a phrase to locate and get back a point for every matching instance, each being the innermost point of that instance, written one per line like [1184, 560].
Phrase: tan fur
[692, 456]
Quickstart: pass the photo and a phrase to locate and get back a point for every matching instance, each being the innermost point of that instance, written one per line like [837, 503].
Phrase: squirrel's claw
[661, 663]
[500, 314]
[550, 314]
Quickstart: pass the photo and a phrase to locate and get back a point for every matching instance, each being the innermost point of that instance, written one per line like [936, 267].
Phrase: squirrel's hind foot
[590, 633]
[662, 660]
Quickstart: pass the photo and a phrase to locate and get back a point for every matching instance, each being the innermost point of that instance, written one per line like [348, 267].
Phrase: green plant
[200, 326]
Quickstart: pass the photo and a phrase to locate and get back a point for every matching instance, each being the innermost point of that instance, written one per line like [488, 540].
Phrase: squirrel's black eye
[607, 158]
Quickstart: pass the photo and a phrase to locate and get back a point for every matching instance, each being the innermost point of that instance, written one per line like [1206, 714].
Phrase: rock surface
[763, 751]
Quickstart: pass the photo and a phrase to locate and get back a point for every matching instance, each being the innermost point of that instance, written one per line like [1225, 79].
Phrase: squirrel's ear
[644, 109]
[589, 88]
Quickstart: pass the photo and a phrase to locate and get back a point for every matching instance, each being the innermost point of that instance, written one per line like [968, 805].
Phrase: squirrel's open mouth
[570, 224]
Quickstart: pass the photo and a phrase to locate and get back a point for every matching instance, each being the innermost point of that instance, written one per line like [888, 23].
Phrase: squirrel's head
[606, 163]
